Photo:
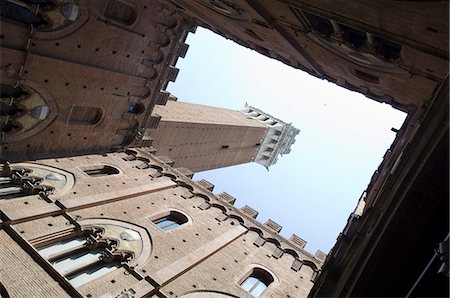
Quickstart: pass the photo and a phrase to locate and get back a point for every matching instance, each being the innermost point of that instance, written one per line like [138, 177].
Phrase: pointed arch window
[170, 221]
[84, 258]
[15, 183]
[257, 282]
[93, 253]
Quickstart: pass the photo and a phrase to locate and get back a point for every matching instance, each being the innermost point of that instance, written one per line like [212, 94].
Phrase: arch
[256, 230]
[218, 206]
[310, 264]
[27, 179]
[274, 241]
[257, 282]
[291, 252]
[145, 235]
[3, 292]
[60, 180]
[136, 108]
[41, 97]
[144, 159]
[185, 185]
[308, 272]
[170, 175]
[147, 93]
[238, 218]
[203, 196]
[97, 248]
[156, 167]
[131, 152]
[70, 27]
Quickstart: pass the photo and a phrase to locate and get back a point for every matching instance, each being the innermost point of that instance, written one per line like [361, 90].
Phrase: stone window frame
[95, 121]
[129, 3]
[97, 229]
[94, 243]
[262, 274]
[178, 217]
[99, 167]
[32, 87]
[70, 179]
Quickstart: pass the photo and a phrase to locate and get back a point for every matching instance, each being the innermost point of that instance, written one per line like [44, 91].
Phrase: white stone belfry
[279, 137]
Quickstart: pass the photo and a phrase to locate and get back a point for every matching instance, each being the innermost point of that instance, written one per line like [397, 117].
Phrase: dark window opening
[120, 11]
[321, 25]
[387, 49]
[3, 291]
[12, 110]
[353, 37]
[277, 133]
[136, 108]
[11, 126]
[8, 91]
[102, 171]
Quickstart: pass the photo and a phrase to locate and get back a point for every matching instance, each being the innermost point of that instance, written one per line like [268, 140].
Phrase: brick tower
[201, 137]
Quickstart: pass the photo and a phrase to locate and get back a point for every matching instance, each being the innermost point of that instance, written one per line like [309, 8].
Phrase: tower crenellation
[279, 137]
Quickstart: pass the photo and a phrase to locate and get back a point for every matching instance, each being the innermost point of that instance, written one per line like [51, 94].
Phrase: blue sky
[343, 136]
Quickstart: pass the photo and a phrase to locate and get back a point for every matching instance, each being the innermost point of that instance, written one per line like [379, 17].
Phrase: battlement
[207, 187]
[206, 184]
[227, 198]
[278, 140]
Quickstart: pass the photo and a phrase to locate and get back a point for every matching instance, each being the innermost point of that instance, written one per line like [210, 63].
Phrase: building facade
[71, 83]
[202, 138]
[83, 76]
[395, 52]
[128, 225]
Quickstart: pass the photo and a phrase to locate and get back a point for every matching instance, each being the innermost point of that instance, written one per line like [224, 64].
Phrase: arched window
[94, 252]
[170, 221]
[120, 11]
[15, 183]
[100, 171]
[257, 282]
[82, 259]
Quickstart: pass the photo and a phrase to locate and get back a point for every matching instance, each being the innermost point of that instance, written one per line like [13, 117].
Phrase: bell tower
[202, 138]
